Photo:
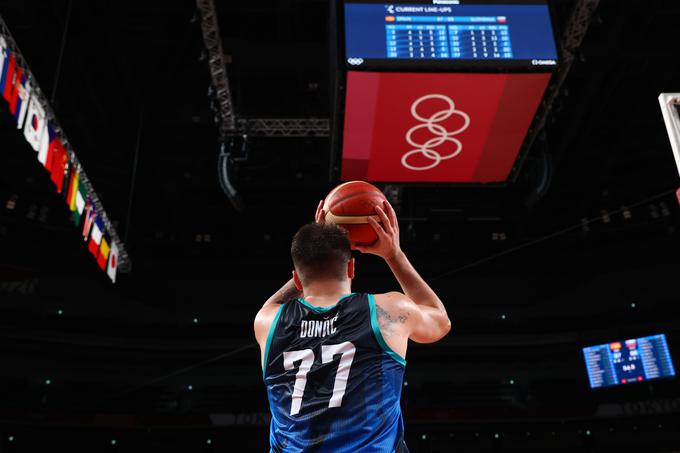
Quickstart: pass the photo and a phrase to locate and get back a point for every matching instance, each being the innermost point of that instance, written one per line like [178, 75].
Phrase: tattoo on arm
[286, 293]
[387, 321]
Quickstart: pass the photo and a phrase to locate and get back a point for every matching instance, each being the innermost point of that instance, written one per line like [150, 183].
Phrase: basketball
[349, 205]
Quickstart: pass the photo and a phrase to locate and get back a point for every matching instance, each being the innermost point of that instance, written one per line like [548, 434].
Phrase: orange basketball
[349, 206]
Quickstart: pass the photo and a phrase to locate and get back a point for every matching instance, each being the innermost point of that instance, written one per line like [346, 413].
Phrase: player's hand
[319, 217]
[387, 246]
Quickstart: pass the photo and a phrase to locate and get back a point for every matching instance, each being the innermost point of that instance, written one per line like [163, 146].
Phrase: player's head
[321, 252]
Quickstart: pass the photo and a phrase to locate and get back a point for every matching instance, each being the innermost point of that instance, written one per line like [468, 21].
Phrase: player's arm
[428, 321]
[265, 317]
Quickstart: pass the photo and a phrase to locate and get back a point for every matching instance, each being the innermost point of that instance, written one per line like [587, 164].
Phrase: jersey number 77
[305, 357]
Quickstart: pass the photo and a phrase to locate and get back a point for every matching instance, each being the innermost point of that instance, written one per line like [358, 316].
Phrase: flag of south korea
[35, 123]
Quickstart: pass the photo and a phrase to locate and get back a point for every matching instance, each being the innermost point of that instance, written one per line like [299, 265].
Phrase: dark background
[580, 250]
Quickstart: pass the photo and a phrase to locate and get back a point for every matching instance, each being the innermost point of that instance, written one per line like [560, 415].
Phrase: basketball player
[333, 361]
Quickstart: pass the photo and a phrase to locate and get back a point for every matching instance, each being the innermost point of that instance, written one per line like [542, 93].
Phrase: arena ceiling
[588, 229]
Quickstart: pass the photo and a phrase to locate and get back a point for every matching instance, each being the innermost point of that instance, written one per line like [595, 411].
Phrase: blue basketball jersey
[333, 383]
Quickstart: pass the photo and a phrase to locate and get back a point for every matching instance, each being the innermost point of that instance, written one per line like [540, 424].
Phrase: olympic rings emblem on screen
[442, 135]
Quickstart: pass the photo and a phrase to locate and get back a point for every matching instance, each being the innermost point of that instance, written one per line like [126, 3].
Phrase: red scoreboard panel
[436, 127]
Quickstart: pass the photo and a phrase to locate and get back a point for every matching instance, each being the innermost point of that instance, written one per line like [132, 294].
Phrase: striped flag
[72, 188]
[90, 214]
[79, 200]
[96, 236]
[15, 89]
[4, 57]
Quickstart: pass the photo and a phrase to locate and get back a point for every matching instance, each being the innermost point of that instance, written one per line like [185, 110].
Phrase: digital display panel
[625, 362]
[436, 127]
[467, 33]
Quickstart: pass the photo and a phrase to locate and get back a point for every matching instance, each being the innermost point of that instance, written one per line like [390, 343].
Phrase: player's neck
[326, 293]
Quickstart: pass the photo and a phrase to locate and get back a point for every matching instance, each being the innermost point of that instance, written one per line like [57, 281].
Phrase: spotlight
[626, 213]
[12, 202]
[604, 215]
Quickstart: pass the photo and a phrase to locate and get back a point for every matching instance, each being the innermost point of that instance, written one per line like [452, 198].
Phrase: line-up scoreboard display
[625, 362]
[459, 33]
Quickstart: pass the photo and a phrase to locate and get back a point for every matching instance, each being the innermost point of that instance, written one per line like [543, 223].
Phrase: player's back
[333, 383]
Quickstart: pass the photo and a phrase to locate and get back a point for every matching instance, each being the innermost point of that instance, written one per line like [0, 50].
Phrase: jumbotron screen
[625, 362]
[449, 33]
[436, 127]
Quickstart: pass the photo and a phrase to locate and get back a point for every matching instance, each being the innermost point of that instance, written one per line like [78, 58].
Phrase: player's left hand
[319, 217]
[387, 246]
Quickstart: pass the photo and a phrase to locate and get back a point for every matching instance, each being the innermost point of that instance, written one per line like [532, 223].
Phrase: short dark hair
[321, 251]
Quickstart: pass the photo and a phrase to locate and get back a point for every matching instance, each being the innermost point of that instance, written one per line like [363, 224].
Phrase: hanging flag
[104, 250]
[90, 214]
[8, 68]
[58, 164]
[80, 197]
[30, 112]
[48, 135]
[72, 188]
[35, 123]
[96, 236]
[4, 58]
[16, 90]
[112, 268]
[20, 106]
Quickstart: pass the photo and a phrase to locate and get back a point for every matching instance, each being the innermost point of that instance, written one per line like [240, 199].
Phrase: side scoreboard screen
[624, 362]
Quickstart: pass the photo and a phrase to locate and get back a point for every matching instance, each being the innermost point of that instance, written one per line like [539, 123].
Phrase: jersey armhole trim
[270, 335]
[378, 335]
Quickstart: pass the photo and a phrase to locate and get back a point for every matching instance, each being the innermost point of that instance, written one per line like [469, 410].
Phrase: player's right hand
[387, 246]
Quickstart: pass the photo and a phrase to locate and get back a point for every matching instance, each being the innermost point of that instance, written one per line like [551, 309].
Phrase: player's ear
[350, 268]
[297, 281]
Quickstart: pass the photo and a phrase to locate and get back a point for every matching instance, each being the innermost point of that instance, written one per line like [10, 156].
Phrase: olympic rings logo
[442, 135]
